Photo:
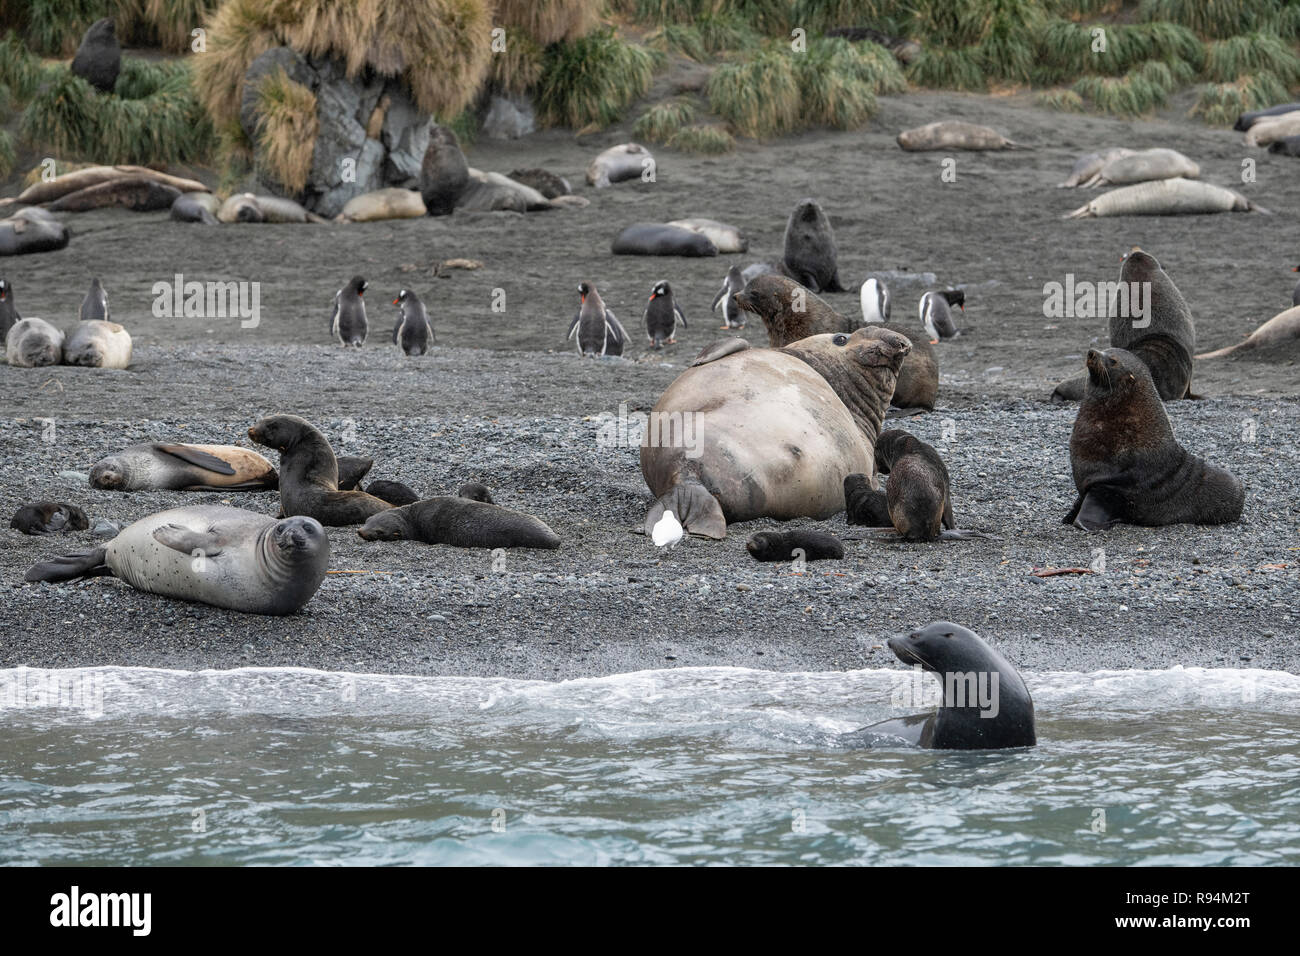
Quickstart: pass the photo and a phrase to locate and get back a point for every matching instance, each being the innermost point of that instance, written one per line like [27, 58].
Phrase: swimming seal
[782, 545]
[213, 554]
[954, 134]
[659, 239]
[769, 432]
[309, 473]
[156, 466]
[1283, 327]
[1127, 465]
[619, 163]
[33, 343]
[49, 517]
[986, 705]
[809, 256]
[96, 344]
[462, 523]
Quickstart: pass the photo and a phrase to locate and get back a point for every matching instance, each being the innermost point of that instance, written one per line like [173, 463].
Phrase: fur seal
[769, 432]
[32, 230]
[391, 203]
[413, 331]
[155, 466]
[9, 316]
[136, 193]
[781, 546]
[595, 330]
[94, 305]
[98, 59]
[1142, 166]
[309, 473]
[348, 322]
[462, 523]
[986, 705]
[662, 314]
[1164, 337]
[918, 495]
[659, 239]
[1246, 120]
[733, 317]
[444, 173]
[187, 208]
[727, 239]
[476, 491]
[48, 517]
[33, 343]
[864, 503]
[1165, 197]
[1283, 327]
[97, 344]
[544, 181]
[809, 255]
[1089, 165]
[351, 470]
[619, 163]
[394, 492]
[954, 134]
[1127, 465]
[213, 554]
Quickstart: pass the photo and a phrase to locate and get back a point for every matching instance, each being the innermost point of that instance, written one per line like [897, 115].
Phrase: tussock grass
[705, 37]
[836, 86]
[707, 140]
[55, 27]
[1065, 49]
[7, 154]
[518, 68]
[287, 126]
[1215, 19]
[1065, 101]
[171, 21]
[547, 21]
[590, 81]
[1219, 104]
[1137, 92]
[947, 69]
[660, 122]
[1227, 60]
[760, 96]
[20, 71]
[35, 174]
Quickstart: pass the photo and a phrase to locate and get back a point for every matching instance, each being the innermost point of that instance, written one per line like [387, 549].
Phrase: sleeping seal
[659, 239]
[188, 208]
[1283, 327]
[1090, 164]
[1143, 166]
[391, 203]
[98, 344]
[1165, 197]
[32, 230]
[1246, 120]
[226, 557]
[460, 522]
[33, 343]
[48, 517]
[171, 467]
[727, 238]
[619, 163]
[953, 134]
[137, 193]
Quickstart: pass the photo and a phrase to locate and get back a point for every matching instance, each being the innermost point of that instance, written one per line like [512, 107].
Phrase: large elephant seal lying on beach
[1271, 129]
[661, 239]
[727, 238]
[769, 432]
[1282, 328]
[1146, 165]
[392, 203]
[1246, 120]
[156, 466]
[49, 191]
[1127, 465]
[32, 230]
[33, 343]
[460, 522]
[137, 193]
[226, 557]
[1165, 197]
[953, 134]
[1086, 167]
[619, 163]
[246, 207]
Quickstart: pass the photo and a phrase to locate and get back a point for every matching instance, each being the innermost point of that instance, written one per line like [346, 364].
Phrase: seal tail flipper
[79, 564]
[696, 509]
[1083, 212]
[1218, 353]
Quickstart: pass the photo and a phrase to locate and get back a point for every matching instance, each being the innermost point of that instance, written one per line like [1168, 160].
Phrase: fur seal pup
[986, 705]
[595, 330]
[769, 433]
[32, 230]
[1142, 166]
[1127, 465]
[33, 343]
[309, 473]
[662, 314]
[1165, 197]
[1164, 337]
[544, 181]
[9, 316]
[94, 305]
[864, 503]
[413, 331]
[444, 173]
[394, 492]
[155, 466]
[733, 317]
[462, 523]
[348, 322]
[727, 239]
[98, 59]
[1090, 164]
[658, 239]
[1283, 327]
[781, 546]
[391, 203]
[619, 163]
[475, 491]
[97, 344]
[809, 255]
[49, 517]
[136, 193]
[213, 554]
[187, 208]
[954, 134]
[874, 296]
[918, 495]
[1246, 120]
[935, 317]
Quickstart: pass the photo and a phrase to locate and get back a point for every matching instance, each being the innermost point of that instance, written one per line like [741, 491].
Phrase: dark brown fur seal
[98, 60]
[810, 257]
[781, 545]
[475, 491]
[352, 469]
[47, 517]
[394, 492]
[918, 495]
[462, 523]
[1165, 346]
[864, 503]
[1128, 467]
[444, 173]
[309, 474]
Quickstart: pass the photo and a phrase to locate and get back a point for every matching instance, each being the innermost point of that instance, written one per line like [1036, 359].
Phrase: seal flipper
[913, 730]
[696, 509]
[351, 470]
[187, 541]
[79, 564]
[200, 459]
[716, 350]
[1071, 390]
[1091, 513]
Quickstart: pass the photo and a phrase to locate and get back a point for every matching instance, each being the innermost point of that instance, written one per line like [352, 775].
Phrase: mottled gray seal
[96, 344]
[619, 163]
[49, 517]
[954, 134]
[33, 343]
[661, 239]
[1282, 328]
[1165, 197]
[809, 255]
[213, 554]
[462, 523]
[155, 466]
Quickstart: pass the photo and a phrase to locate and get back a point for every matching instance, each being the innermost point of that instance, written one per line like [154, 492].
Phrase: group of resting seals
[96, 342]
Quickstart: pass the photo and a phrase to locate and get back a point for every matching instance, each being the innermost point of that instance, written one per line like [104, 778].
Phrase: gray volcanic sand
[504, 400]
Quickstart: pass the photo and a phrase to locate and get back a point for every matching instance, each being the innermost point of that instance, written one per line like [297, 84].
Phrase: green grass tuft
[1226, 60]
[1135, 93]
[20, 71]
[1215, 19]
[759, 96]
[945, 69]
[1219, 104]
[661, 121]
[287, 127]
[7, 154]
[704, 140]
[1065, 101]
[590, 81]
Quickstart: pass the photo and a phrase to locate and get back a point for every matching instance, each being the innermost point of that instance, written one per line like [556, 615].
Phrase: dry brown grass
[287, 126]
[548, 21]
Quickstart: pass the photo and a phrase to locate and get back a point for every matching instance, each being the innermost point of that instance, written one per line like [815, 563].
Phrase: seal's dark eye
[840, 340]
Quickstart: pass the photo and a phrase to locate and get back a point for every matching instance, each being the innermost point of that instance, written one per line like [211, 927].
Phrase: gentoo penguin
[348, 323]
[413, 331]
[955, 297]
[733, 316]
[662, 315]
[875, 301]
[95, 305]
[9, 316]
[935, 316]
[595, 329]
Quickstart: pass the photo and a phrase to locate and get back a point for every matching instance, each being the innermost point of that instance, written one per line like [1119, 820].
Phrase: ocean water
[685, 766]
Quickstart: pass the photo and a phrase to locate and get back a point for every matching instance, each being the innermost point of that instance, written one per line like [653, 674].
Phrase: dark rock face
[99, 58]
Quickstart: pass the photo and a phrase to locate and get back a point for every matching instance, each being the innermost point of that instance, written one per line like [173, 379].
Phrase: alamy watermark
[978, 689]
[654, 430]
[208, 300]
[1090, 300]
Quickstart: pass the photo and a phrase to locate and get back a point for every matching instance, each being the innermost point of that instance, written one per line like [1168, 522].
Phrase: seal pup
[864, 503]
[935, 317]
[309, 473]
[98, 59]
[782, 545]
[733, 317]
[986, 705]
[94, 306]
[660, 239]
[619, 163]
[157, 466]
[49, 517]
[348, 322]
[186, 208]
[394, 492]
[1165, 197]
[33, 343]
[413, 331]
[809, 255]
[9, 316]
[213, 554]
[954, 134]
[240, 208]
[662, 314]
[874, 296]
[462, 523]
[476, 491]
[1127, 465]
[32, 230]
[595, 329]
[918, 495]
[444, 173]
[1283, 327]
[97, 344]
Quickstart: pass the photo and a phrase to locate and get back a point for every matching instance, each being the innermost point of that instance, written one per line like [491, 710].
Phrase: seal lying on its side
[169, 467]
[1090, 164]
[33, 343]
[782, 545]
[226, 557]
[462, 523]
[137, 193]
[1283, 327]
[619, 163]
[986, 705]
[32, 230]
[659, 239]
[47, 517]
[391, 203]
[727, 238]
[953, 134]
[1127, 465]
[1246, 120]
[195, 207]
[1143, 166]
[1165, 197]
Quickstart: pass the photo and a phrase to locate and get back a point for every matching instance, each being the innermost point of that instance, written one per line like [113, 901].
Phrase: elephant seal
[8, 310]
[1270, 129]
[444, 173]
[1165, 197]
[241, 207]
[986, 705]
[187, 208]
[1246, 120]
[383, 204]
[46, 192]
[954, 134]
[48, 517]
[619, 163]
[135, 193]
[1145, 165]
[658, 239]
[728, 239]
[98, 344]
[782, 545]
[1089, 165]
[1290, 146]
[98, 59]
[155, 466]
[246, 207]
[544, 181]
[213, 554]
[809, 255]
[32, 230]
[462, 523]
[492, 192]
[1282, 328]
[309, 473]
[33, 343]
[1163, 336]
[769, 433]
[918, 496]
[1127, 465]
[790, 313]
